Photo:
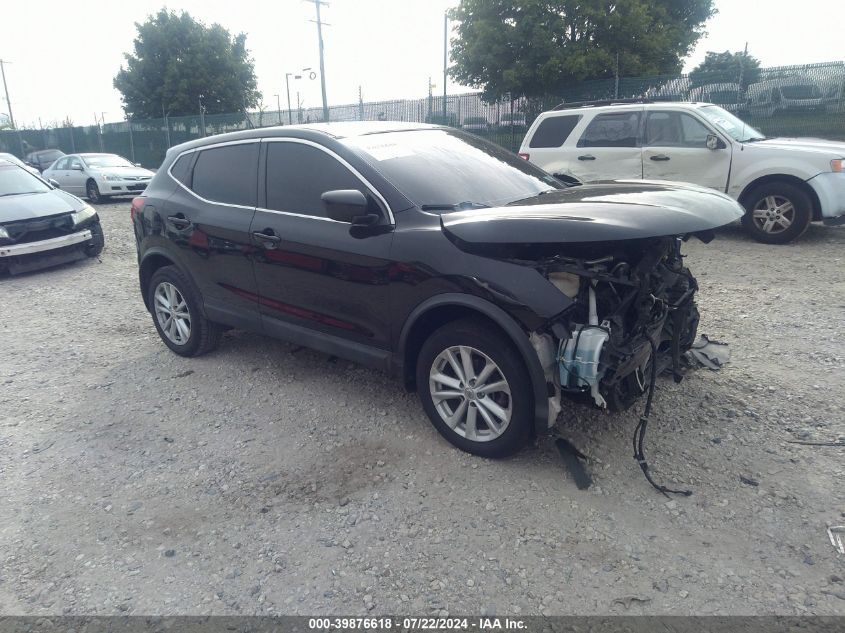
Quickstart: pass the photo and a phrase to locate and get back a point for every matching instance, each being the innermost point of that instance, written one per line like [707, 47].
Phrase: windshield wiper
[754, 138]
[460, 206]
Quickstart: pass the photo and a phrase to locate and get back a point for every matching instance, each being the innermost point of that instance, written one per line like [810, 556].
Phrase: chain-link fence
[806, 100]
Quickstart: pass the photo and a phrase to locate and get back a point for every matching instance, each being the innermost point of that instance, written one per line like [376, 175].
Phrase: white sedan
[98, 176]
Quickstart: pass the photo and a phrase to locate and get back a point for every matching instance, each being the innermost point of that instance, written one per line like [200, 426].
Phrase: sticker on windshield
[387, 151]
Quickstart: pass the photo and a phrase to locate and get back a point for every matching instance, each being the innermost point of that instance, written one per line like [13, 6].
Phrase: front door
[314, 272]
[74, 176]
[675, 148]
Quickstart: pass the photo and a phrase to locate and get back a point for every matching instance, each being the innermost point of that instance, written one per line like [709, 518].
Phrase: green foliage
[726, 67]
[532, 47]
[176, 59]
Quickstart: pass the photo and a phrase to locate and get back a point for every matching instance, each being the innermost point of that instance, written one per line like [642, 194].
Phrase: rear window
[227, 174]
[554, 131]
[613, 129]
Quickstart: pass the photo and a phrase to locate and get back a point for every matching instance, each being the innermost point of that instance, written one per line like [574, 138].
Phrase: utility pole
[202, 117]
[287, 87]
[360, 104]
[320, 24]
[279, 108]
[6, 88]
[445, 59]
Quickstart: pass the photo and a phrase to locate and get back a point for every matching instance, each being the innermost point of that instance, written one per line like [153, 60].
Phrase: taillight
[137, 205]
[524, 156]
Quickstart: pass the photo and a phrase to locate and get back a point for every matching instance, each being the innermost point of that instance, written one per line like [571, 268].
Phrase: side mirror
[714, 142]
[349, 205]
[55, 183]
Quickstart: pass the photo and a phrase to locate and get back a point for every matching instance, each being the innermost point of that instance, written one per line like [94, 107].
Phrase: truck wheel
[475, 389]
[777, 213]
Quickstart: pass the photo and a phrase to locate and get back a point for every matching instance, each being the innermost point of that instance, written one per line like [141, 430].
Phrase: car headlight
[111, 177]
[85, 213]
[3, 232]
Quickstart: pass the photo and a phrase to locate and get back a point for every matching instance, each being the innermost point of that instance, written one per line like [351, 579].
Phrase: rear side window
[298, 174]
[227, 174]
[181, 169]
[616, 129]
[554, 131]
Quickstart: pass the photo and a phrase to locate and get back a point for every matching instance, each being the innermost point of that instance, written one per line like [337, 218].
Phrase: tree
[179, 62]
[726, 67]
[532, 47]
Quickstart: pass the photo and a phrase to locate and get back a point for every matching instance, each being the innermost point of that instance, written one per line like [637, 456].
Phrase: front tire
[777, 213]
[175, 306]
[95, 246]
[475, 389]
[92, 192]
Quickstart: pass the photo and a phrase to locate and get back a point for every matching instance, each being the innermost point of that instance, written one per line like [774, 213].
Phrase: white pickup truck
[784, 184]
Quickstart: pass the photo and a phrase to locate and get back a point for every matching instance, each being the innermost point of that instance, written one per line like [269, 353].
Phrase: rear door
[314, 272]
[609, 147]
[675, 148]
[208, 219]
[548, 147]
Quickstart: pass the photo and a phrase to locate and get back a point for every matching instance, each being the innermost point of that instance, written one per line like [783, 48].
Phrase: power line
[320, 23]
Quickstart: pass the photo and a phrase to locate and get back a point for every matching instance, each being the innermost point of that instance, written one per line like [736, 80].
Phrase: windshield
[107, 160]
[442, 168]
[731, 124]
[16, 181]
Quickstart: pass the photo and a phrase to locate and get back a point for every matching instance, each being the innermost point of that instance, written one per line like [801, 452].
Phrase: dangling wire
[639, 432]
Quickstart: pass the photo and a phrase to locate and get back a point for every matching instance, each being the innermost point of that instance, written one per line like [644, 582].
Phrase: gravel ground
[263, 479]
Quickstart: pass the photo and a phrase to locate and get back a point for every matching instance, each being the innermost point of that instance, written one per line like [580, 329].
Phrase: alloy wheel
[773, 214]
[172, 313]
[470, 393]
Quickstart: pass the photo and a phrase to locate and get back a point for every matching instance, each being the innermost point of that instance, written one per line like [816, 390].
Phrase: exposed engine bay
[637, 298]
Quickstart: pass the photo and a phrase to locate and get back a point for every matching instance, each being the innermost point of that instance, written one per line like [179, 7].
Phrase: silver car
[98, 176]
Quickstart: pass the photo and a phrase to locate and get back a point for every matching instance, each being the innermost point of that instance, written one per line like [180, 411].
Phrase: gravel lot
[267, 479]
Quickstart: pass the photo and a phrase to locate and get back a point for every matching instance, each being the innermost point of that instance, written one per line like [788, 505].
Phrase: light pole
[287, 87]
[202, 116]
[279, 108]
[445, 59]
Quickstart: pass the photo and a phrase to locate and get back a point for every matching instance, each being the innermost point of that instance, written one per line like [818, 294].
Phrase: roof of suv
[624, 105]
[338, 130]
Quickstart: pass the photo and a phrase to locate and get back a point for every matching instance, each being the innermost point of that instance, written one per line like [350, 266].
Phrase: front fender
[508, 324]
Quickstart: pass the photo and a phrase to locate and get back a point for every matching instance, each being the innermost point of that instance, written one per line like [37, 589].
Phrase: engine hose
[639, 432]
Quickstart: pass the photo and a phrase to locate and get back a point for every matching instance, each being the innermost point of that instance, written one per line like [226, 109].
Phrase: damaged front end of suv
[613, 250]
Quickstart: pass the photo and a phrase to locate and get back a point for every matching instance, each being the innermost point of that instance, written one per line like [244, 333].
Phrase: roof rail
[607, 102]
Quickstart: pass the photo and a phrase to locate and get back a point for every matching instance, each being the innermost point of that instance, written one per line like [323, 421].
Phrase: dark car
[483, 282]
[42, 159]
[41, 225]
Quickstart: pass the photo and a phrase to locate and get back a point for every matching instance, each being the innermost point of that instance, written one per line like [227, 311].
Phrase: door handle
[268, 240]
[586, 157]
[179, 221]
[659, 157]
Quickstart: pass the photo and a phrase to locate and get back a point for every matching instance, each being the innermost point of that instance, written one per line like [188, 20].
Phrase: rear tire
[777, 213]
[489, 412]
[175, 305]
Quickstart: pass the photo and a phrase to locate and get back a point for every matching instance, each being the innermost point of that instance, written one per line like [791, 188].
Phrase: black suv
[483, 282]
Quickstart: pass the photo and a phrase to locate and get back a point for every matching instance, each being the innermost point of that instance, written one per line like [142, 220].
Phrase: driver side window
[298, 175]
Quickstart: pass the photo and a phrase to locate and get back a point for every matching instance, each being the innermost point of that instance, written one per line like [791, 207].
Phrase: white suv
[784, 184]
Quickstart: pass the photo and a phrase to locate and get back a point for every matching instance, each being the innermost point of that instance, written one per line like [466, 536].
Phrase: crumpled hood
[38, 205]
[598, 212]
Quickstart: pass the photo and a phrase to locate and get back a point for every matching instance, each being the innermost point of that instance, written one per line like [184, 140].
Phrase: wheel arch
[786, 178]
[151, 262]
[441, 309]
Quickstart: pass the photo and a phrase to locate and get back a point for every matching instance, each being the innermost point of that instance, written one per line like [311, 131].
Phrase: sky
[62, 61]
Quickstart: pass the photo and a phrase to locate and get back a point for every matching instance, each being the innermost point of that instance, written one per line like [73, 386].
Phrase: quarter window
[227, 174]
[553, 131]
[617, 129]
[181, 169]
[298, 174]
